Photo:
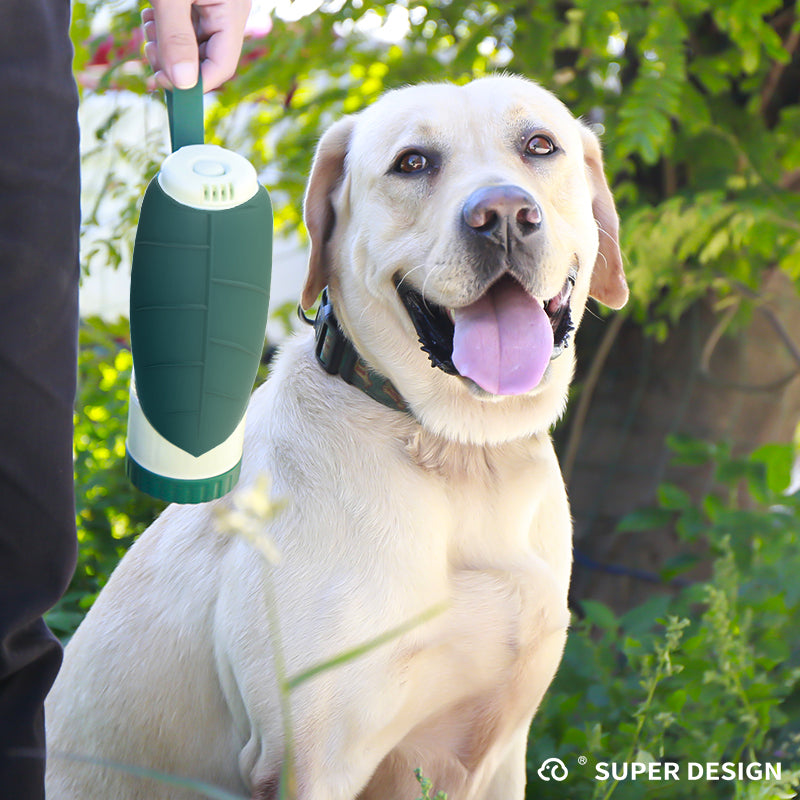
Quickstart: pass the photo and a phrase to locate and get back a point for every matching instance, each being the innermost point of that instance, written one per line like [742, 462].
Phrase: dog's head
[475, 221]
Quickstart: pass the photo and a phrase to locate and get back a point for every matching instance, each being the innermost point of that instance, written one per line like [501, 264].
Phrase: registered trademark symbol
[582, 760]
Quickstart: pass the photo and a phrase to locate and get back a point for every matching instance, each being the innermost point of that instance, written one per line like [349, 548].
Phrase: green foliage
[110, 512]
[109, 220]
[710, 673]
[427, 787]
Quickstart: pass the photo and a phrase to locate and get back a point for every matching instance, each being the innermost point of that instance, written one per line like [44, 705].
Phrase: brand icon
[553, 769]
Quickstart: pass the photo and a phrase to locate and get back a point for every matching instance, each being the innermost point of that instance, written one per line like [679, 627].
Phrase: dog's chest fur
[508, 612]
[502, 500]
[470, 526]
[479, 671]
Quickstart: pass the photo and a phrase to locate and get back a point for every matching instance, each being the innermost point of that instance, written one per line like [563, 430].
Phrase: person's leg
[39, 225]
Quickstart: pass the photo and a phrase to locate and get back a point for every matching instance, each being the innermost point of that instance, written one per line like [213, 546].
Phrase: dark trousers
[39, 222]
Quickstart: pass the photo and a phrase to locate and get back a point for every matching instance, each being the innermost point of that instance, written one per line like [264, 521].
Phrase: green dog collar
[337, 356]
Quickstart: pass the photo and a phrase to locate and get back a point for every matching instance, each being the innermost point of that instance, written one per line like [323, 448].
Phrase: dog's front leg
[336, 719]
[329, 772]
[508, 781]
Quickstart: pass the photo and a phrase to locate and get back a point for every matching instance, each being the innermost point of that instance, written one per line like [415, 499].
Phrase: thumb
[177, 41]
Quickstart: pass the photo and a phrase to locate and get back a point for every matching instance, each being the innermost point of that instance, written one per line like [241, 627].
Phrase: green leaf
[689, 451]
[645, 519]
[599, 615]
[691, 524]
[678, 565]
[673, 498]
[778, 460]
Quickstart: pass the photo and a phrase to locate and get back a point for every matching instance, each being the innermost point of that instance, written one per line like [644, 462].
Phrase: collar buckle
[333, 349]
[337, 356]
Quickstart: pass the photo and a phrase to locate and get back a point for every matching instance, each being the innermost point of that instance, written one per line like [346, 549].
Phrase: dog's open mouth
[503, 341]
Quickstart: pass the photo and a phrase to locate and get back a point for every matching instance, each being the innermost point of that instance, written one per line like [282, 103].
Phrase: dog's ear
[326, 172]
[608, 284]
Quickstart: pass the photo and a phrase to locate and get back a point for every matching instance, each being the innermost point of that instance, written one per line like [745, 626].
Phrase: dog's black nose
[499, 212]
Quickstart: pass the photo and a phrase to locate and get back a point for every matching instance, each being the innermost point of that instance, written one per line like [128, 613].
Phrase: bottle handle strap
[185, 110]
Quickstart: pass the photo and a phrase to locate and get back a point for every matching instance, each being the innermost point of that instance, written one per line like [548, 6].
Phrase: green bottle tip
[177, 490]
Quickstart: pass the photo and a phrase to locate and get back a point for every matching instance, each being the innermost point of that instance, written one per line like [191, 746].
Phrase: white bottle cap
[209, 177]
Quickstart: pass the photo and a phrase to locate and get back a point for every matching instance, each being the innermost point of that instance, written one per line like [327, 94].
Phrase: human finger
[220, 29]
[174, 36]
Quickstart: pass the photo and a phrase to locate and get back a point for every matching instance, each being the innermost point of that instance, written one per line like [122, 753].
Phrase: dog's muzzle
[436, 325]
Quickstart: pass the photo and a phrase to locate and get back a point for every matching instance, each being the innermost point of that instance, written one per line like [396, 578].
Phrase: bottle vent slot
[218, 192]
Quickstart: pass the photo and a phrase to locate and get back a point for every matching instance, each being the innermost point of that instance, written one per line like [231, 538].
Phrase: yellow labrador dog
[459, 231]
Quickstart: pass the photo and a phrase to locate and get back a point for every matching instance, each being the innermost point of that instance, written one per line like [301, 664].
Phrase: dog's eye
[540, 145]
[410, 162]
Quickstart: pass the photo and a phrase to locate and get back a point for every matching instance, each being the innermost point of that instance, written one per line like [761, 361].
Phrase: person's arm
[182, 33]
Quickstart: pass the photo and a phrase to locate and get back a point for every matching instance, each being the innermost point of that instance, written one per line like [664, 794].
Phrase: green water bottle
[198, 312]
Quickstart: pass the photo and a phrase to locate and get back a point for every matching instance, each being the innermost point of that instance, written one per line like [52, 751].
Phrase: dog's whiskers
[412, 270]
[437, 268]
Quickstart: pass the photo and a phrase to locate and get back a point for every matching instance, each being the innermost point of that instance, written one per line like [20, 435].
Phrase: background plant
[718, 678]
[110, 514]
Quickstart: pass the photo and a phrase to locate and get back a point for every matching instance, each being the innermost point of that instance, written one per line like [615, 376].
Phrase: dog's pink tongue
[503, 341]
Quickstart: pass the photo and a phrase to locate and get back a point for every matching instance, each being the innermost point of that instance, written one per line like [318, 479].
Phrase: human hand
[181, 33]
